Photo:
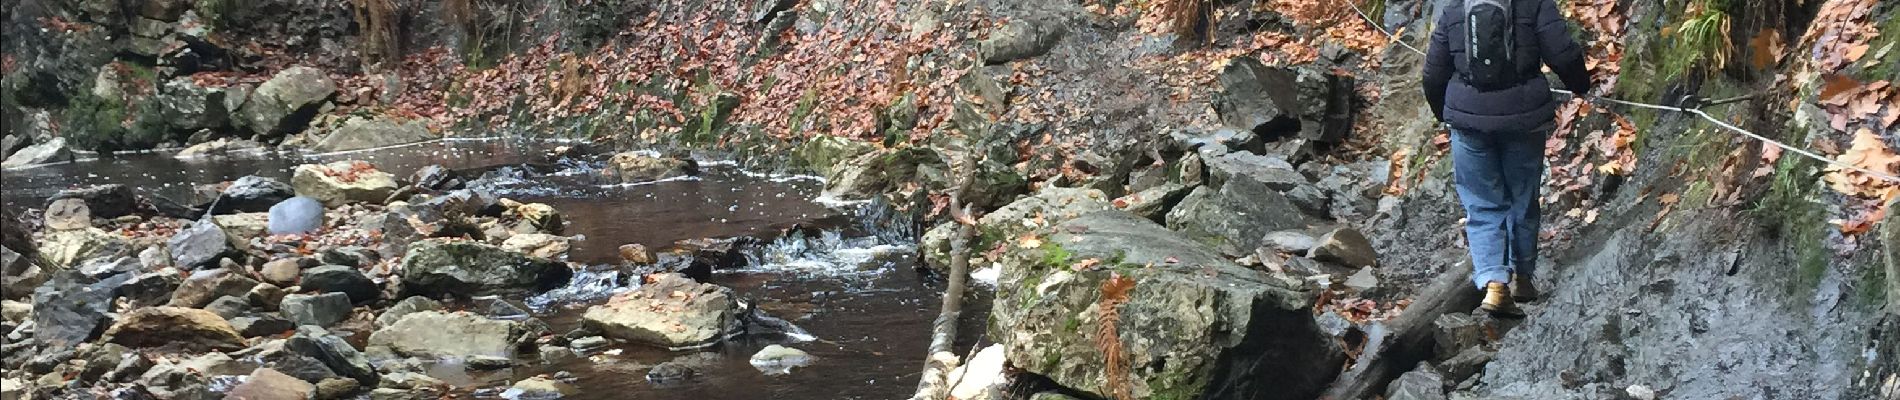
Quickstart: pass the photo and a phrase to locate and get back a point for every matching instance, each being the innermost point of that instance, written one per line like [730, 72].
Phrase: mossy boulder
[287, 102]
[823, 153]
[1194, 325]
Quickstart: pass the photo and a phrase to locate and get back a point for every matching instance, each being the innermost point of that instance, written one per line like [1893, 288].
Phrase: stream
[851, 284]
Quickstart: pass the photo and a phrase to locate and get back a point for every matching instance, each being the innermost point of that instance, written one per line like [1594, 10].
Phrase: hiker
[1483, 79]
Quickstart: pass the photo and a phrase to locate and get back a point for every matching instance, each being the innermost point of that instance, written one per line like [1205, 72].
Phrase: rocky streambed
[488, 269]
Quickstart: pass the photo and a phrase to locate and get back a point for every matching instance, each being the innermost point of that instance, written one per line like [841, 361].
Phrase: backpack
[1492, 60]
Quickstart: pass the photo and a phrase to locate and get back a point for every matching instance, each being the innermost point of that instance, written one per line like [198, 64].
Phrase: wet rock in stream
[669, 311]
[459, 268]
[436, 334]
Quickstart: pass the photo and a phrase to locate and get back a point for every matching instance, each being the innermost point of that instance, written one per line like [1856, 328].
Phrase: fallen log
[1395, 346]
[942, 358]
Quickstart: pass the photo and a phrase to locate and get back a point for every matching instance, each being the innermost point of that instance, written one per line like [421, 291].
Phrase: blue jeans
[1499, 175]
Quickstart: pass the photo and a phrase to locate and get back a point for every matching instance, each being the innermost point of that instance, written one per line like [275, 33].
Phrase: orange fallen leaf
[1868, 151]
[1838, 89]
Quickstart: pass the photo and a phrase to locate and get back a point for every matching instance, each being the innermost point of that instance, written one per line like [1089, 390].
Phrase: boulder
[54, 150]
[71, 308]
[108, 266]
[268, 384]
[886, 171]
[1345, 246]
[241, 228]
[1009, 223]
[266, 296]
[669, 311]
[647, 166]
[252, 194]
[682, 368]
[284, 271]
[342, 279]
[436, 178]
[266, 324]
[20, 275]
[1273, 172]
[151, 288]
[359, 133]
[334, 352]
[104, 201]
[1290, 242]
[190, 328]
[540, 388]
[437, 334]
[1235, 217]
[537, 245]
[1284, 102]
[779, 360]
[413, 304]
[319, 309]
[441, 267]
[1453, 333]
[202, 287]
[199, 245]
[1422, 383]
[534, 217]
[980, 376]
[823, 153]
[636, 254]
[69, 248]
[68, 214]
[1191, 324]
[296, 216]
[1020, 39]
[223, 147]
[286, 103]
[1153, 203]
[185, 106]
[343, 182]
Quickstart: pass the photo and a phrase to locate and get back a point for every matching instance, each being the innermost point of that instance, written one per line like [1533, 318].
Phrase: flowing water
[850, 287]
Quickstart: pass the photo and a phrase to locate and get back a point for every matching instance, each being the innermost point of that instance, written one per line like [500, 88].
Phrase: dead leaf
[1670, 199]
[1767, 48]
[1838, 89]
[1870, 152]
[1029, 241]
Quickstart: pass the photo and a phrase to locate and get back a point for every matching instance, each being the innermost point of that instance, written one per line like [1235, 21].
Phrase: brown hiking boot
[1498, 301]
[1523, 290]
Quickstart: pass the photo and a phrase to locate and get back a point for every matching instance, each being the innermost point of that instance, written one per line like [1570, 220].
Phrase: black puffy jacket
[1523, 108]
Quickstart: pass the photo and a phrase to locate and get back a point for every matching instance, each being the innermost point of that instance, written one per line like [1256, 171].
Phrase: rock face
[670, 311]
[200, 245]
[362, 133]
[647, 166]
[882, 171]
[162, 326]
[44, 152]
[1423, 383]
[442, 267]
[252, 194]
[298, 215]
[1193, 325]
[343, 182]
[436, 334]
[285, 104]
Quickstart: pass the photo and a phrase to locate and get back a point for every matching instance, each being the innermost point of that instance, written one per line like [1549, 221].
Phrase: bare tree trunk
[935, 383]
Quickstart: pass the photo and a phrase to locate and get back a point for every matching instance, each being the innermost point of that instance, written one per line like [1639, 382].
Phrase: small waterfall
[586, 286]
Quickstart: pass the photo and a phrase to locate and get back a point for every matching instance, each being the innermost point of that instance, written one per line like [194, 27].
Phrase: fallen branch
[1408, 339]
[935, 383]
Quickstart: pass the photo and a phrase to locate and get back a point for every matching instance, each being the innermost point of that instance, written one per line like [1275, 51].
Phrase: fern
[1115, 292]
